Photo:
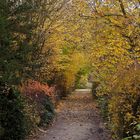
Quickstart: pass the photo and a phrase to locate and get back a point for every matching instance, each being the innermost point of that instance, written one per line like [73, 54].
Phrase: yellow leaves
[77, 61]
[129, 116]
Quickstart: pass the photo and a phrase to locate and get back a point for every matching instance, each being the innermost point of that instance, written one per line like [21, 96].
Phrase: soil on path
[77, 119]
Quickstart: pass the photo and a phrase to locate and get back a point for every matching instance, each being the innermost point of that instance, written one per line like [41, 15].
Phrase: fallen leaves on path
[77, 119]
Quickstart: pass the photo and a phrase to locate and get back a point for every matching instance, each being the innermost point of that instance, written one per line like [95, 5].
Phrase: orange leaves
[35, 87]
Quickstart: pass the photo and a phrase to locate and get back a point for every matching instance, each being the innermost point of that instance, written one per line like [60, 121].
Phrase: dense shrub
[95, 85]
[21, 114]
[47, 113]
[102, 100]
[120, 103]
[12, 118]
[103, 103]
[40, 99]
[124, 105]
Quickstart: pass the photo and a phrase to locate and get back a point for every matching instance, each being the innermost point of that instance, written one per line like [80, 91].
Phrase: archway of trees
[50, 47]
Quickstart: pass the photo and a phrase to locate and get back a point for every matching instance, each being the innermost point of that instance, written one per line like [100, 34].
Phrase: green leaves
[11, 114]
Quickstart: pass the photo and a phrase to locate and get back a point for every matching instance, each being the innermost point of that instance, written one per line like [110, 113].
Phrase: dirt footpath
[77, 119]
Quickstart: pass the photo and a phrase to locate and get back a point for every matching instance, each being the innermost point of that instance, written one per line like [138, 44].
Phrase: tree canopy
[62, 42]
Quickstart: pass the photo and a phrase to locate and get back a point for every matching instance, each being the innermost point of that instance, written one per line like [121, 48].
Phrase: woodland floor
[77, 118]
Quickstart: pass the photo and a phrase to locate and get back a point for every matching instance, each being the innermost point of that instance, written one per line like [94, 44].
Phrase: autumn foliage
[49, 48]
[33, 89]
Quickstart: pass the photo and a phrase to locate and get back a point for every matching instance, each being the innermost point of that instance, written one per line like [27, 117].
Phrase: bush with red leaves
[35, 87]
[42, 97]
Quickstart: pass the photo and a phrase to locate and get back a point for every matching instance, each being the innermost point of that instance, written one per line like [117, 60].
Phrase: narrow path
[77, 119]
